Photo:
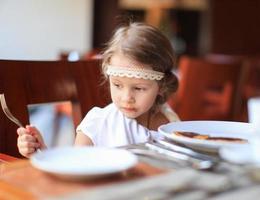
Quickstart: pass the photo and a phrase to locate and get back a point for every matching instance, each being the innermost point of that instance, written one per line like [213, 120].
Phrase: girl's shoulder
[98, 112]
[98, 116]
[106, 114]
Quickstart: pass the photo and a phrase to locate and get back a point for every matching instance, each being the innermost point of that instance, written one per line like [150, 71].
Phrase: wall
[41, 29]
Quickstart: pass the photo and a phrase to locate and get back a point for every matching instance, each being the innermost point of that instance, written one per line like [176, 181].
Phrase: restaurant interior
[51, 53]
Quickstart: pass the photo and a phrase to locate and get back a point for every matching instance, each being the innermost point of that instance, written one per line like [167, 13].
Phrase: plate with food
[77, 163]
[208, 135]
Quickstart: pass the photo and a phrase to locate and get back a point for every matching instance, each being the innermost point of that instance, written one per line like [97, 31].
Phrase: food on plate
[208, 137]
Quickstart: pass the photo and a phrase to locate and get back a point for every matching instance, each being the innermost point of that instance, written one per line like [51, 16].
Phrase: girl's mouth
[128, 109]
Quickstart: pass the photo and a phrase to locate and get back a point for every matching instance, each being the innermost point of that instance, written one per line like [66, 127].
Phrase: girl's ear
[161, 91]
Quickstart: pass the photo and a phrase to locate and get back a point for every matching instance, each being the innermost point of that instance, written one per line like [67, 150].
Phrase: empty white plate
[83, 162]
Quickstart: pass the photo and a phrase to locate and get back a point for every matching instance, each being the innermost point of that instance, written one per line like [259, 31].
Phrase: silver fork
[7, 111]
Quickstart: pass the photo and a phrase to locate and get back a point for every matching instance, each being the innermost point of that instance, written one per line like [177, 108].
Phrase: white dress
[108, 127]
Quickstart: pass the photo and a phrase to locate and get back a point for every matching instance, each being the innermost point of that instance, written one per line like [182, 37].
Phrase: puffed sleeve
[90, 125]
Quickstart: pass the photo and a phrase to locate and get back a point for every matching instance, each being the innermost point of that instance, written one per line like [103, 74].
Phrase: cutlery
[180, 149]
[8, 113]
[158, 156]
[194, 162]
[10, 116]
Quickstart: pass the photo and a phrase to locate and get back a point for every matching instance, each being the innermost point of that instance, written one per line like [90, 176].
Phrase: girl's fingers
[32, 130]
[35, 132]
[27, 138]
[29, 145]
[25, 144]
[22, 131]
[27, 152]
[27, 148]
[30, 150]
[26, 141]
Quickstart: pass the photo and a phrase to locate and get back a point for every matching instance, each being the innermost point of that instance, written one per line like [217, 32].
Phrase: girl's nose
[127, 96]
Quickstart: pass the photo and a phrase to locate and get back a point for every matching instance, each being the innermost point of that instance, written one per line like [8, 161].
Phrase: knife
[193, 162]
[184, 150]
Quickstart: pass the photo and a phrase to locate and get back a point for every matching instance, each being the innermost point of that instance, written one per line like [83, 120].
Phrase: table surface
[6, 158]
[19, 179]
[149, 178]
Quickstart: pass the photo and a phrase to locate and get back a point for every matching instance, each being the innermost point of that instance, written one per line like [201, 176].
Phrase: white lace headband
[134, 72]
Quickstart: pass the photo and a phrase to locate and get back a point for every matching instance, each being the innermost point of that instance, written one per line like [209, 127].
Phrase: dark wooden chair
[34, 82]
[208, 90]
[251, 86]
[252, 82]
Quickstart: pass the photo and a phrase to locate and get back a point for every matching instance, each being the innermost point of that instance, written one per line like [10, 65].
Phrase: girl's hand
[29, 140]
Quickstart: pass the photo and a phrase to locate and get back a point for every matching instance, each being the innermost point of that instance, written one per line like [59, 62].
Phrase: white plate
[212, 128]
[83, 162]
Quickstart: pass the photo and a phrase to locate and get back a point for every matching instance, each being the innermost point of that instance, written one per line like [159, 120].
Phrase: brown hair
[145, 44]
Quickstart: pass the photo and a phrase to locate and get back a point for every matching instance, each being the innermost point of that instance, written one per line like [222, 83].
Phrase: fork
[7, 111]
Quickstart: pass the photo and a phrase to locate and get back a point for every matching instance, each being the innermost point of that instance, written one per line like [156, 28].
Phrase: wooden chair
[92, 54]
[252, 82]
[33, 82]
[224, 58]
[251, 86]
[208, 90]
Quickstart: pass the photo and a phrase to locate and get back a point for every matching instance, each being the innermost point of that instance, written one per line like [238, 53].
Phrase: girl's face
[134, 97]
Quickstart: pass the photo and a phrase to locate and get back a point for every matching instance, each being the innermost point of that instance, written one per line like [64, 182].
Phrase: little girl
[138, 63]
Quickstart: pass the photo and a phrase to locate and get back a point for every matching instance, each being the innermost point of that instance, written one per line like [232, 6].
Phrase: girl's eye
[117, 85]
[140, 89]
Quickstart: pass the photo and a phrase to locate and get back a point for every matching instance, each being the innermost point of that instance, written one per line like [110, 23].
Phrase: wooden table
[20, 180]
[6, 158]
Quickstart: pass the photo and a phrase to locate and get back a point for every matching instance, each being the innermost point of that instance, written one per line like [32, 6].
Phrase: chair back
[208, 90]
[34, 82]
[252, 82]
[251, 86]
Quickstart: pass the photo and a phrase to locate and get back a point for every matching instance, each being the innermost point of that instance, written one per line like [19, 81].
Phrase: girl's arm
[82, 140]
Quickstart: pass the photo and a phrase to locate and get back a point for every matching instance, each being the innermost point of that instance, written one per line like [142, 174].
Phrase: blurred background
[45, 29]
[207, 33]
